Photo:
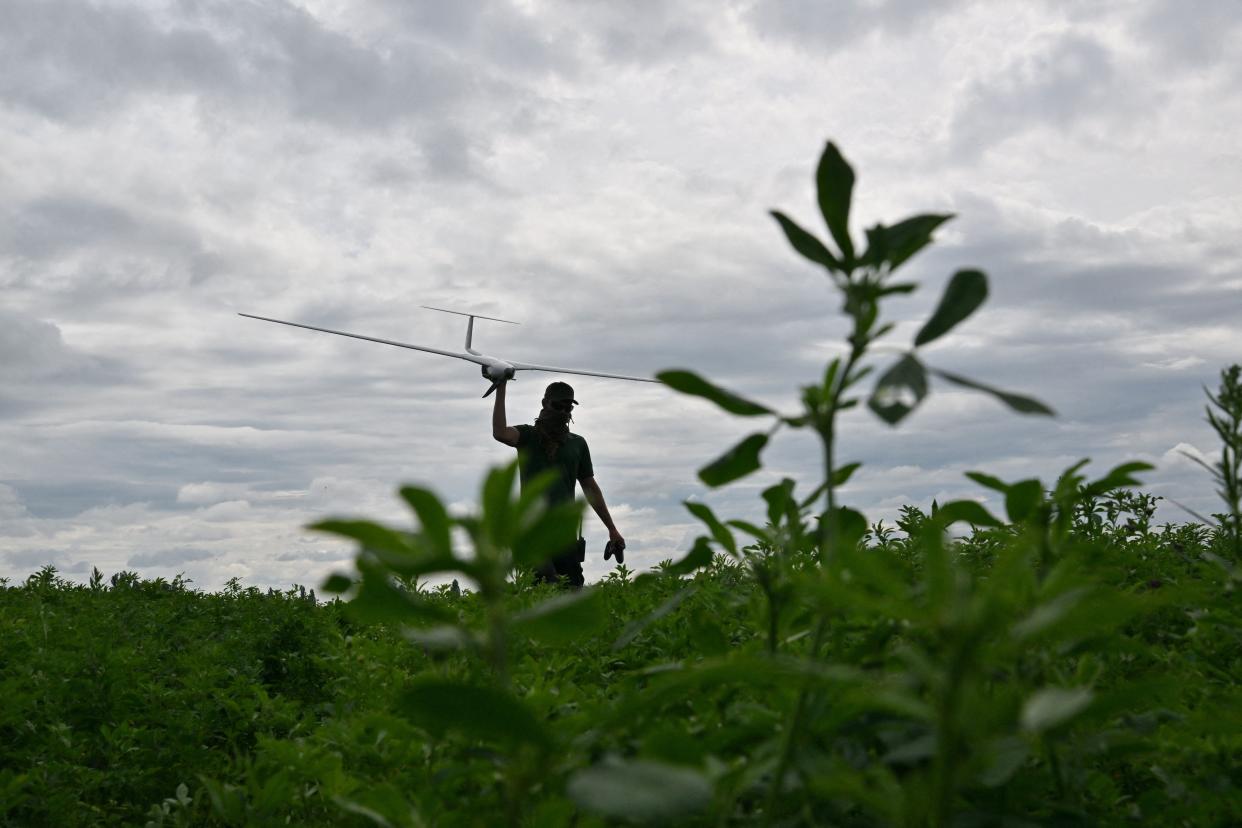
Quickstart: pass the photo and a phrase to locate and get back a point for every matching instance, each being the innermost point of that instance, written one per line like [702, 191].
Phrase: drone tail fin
[470, 324]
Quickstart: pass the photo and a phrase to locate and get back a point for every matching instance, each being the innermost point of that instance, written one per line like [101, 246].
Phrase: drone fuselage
[496, 369]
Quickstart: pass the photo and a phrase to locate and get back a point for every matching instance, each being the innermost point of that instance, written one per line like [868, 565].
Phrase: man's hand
[615, 547]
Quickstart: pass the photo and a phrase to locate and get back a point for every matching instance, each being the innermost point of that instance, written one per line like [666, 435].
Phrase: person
[549, 443]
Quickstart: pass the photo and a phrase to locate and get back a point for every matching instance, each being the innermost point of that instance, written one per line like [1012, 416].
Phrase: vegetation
[1068, 664]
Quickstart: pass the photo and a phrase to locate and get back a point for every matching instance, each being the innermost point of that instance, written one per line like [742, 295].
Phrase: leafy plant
[1226, 421]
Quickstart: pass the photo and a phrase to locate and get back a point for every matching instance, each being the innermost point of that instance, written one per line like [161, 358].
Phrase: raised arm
[501, 430]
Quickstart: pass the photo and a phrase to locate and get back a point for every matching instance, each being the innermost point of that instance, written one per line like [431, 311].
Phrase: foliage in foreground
[152, 703]
[1066, 664]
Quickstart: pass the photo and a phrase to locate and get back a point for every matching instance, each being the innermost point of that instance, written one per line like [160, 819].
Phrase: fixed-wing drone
[495, 369]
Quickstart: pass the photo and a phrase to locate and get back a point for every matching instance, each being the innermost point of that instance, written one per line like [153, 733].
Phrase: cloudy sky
[599, 172]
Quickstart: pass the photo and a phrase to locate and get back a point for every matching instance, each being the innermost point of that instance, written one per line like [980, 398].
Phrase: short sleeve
[585, 469]
[525, 434]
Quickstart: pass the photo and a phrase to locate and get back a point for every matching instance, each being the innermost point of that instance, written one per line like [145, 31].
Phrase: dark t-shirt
[573, 460]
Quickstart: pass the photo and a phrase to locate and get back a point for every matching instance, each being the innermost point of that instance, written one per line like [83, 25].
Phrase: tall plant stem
[498, 645]
[829, 534]
[827, 434]
[947, 738]
[791, 731]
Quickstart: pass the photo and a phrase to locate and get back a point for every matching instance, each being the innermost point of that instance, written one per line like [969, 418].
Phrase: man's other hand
[615, 547]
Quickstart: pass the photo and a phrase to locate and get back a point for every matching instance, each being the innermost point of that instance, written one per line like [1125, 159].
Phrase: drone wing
[467, 357]
[526, 366]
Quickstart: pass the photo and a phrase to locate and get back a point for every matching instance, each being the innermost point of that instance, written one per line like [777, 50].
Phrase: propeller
[509, 375]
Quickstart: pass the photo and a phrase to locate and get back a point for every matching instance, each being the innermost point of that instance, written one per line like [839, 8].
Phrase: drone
[493, 368]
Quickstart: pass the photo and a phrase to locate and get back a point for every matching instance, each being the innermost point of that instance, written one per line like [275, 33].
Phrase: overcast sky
[600, 172]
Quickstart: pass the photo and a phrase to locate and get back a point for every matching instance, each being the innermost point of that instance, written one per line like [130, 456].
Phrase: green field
[1105, 695]
[1067, 663]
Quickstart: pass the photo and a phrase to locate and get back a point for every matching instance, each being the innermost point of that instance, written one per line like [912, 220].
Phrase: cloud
[74, 60]
[273, 63]
[34, 349]
[487, 32]
[77, 60]
[1188, 456]
[169, 557]
[825, 27]
[31, 559]
[1065, 82]
[1197, 37]
[208, 493]
[317, 555]
[599, 173]
[645, 33]
[39, 370]
[11, 505]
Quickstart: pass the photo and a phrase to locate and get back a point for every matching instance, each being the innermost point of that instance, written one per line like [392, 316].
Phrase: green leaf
[1069, 482]
[719, 531]
[842, 474]
[1078, 614]
[688, 382]
[368, 534]
[834, 185]
[877, 247]
[967, 510]
[337, 583]
[669, 604]
[905, 238]
[1003, 757]
[1049, 613]
[851, 526]
[380, 601]
[433, 517]
[226, 800]
[402, 552]
[1022, 498]
[498, 517]
[1117, 478]
[532, 502]
[699, 556]
[673, 741]
[1054, 706]
[866, 577]
[897, 288]
[806, 244]
[962, 296]
[988, 480]
[891, 398]
[780, 502]
[743, 669]
[564, 618]
[912, 752]
[552, 533]
[446, 637]
[735, 463]
[382, 804]
[751, 529]
[813, 496]
[1019, 403]
[640, 790]
[830, 377]
[706, 635]
[484, 713]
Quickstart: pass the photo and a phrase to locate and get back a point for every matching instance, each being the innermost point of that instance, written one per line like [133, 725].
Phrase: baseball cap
[560, 391]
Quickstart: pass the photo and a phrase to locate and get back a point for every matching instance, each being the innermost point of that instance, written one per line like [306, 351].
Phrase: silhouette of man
[549, 444]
